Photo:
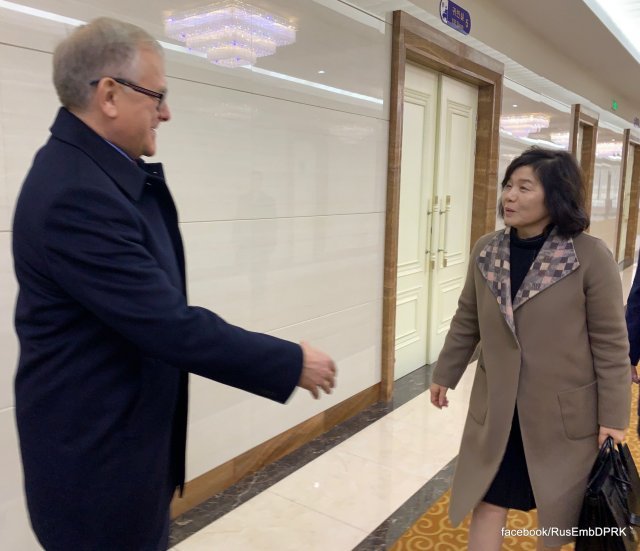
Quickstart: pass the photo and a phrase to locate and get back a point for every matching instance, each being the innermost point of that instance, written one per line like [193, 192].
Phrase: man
[632, 315]
[106, 335]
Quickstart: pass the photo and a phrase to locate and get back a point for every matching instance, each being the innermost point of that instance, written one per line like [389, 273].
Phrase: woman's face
[523, 203]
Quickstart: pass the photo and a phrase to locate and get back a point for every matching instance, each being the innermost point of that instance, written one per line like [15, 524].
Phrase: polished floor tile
[393, 444]
[338, 499]
[357, 491]
[270, 522]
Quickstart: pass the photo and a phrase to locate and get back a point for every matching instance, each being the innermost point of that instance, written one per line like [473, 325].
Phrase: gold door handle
[428, 226]
[444, 223]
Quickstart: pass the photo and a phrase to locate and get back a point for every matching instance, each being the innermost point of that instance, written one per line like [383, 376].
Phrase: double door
[436, 198]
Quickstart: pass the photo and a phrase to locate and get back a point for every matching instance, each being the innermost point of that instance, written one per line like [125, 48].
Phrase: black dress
[511, 487]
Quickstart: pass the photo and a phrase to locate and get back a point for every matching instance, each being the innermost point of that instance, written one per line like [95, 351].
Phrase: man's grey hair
[103, 47]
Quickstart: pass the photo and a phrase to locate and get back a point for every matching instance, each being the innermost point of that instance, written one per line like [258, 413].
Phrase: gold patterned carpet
[433, 530]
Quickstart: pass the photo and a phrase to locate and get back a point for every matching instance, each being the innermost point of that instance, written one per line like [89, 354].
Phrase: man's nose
[164, 112]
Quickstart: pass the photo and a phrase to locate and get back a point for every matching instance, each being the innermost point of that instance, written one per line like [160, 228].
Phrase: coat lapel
[556, 260]
[493, 262]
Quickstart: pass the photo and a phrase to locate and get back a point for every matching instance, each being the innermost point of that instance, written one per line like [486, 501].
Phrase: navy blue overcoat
[106, 343]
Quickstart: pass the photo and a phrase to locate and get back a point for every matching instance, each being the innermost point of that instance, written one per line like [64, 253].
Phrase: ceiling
[331, 38]
[570, 27]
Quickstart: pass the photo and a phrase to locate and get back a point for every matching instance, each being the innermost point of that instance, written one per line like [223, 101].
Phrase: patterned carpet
[433, 530]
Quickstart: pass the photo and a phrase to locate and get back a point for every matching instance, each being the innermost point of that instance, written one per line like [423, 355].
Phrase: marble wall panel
[14, 523]
[232, 155]
[28, 106]
[8, 339]
[267, 274]
[226, 422]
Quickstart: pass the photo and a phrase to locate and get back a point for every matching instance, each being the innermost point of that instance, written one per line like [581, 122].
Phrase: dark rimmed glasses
[160, 96]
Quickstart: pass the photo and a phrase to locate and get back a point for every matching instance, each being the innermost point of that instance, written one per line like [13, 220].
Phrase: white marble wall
[280, 189]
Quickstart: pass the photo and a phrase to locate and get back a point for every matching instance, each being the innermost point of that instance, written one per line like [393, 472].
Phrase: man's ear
[107, 96]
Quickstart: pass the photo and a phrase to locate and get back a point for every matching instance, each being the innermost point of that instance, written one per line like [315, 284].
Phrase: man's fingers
[328, 383]
[318, 371]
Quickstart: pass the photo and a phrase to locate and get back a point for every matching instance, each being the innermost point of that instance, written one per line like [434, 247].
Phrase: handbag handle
[608, 454]
[619, 470]
[606, 448]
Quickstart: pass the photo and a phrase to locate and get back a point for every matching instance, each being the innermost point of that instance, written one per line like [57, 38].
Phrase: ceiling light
[230, 33]
[40, 13]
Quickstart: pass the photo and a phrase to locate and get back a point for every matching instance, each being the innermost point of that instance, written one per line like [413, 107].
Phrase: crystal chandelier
[523, 125]
[231, 33]
[611, 150]
[560, 138]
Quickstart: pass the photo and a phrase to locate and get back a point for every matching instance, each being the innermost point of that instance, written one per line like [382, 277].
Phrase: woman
[552, 381]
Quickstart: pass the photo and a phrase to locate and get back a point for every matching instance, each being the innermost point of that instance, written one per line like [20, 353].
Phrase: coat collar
[129, 176]
[556, 260]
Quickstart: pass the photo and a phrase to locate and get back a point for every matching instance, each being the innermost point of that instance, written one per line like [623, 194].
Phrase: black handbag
[605, 518]
[633, 495]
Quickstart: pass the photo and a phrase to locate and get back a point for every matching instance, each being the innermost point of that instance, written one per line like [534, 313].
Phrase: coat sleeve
[633, 319]
[95, 250]
[464, 332]
[608, 338]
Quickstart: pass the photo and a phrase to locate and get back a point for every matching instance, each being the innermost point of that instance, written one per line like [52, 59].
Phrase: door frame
[632, 224]
[589, 126]
[423, 45]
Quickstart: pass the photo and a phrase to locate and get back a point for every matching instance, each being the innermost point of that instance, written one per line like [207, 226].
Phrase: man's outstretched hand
[318, 371]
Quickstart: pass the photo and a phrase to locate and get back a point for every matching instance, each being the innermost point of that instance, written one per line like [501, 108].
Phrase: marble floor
[360, 486]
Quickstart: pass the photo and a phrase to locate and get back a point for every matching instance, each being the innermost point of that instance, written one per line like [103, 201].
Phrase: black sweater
[522, 254]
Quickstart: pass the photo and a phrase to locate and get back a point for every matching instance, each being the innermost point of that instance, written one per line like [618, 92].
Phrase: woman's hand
[439, 396]
[616, 434]
[634, 375]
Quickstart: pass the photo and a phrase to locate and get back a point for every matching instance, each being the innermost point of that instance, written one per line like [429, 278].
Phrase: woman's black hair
[562, 181]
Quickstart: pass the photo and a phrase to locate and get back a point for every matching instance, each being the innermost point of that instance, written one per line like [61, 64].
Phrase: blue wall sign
[454, 16]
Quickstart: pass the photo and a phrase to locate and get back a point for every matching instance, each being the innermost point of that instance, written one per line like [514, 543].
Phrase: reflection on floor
[379, 473]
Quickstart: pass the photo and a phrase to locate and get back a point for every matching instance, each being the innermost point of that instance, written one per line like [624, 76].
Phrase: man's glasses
[160, 96]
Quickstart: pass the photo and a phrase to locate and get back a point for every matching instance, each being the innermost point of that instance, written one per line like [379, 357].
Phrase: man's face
[138, 114]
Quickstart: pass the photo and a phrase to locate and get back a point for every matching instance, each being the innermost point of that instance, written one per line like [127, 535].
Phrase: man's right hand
[318, 371]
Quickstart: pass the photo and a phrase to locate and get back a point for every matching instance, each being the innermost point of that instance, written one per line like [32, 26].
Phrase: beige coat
[560, 351]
